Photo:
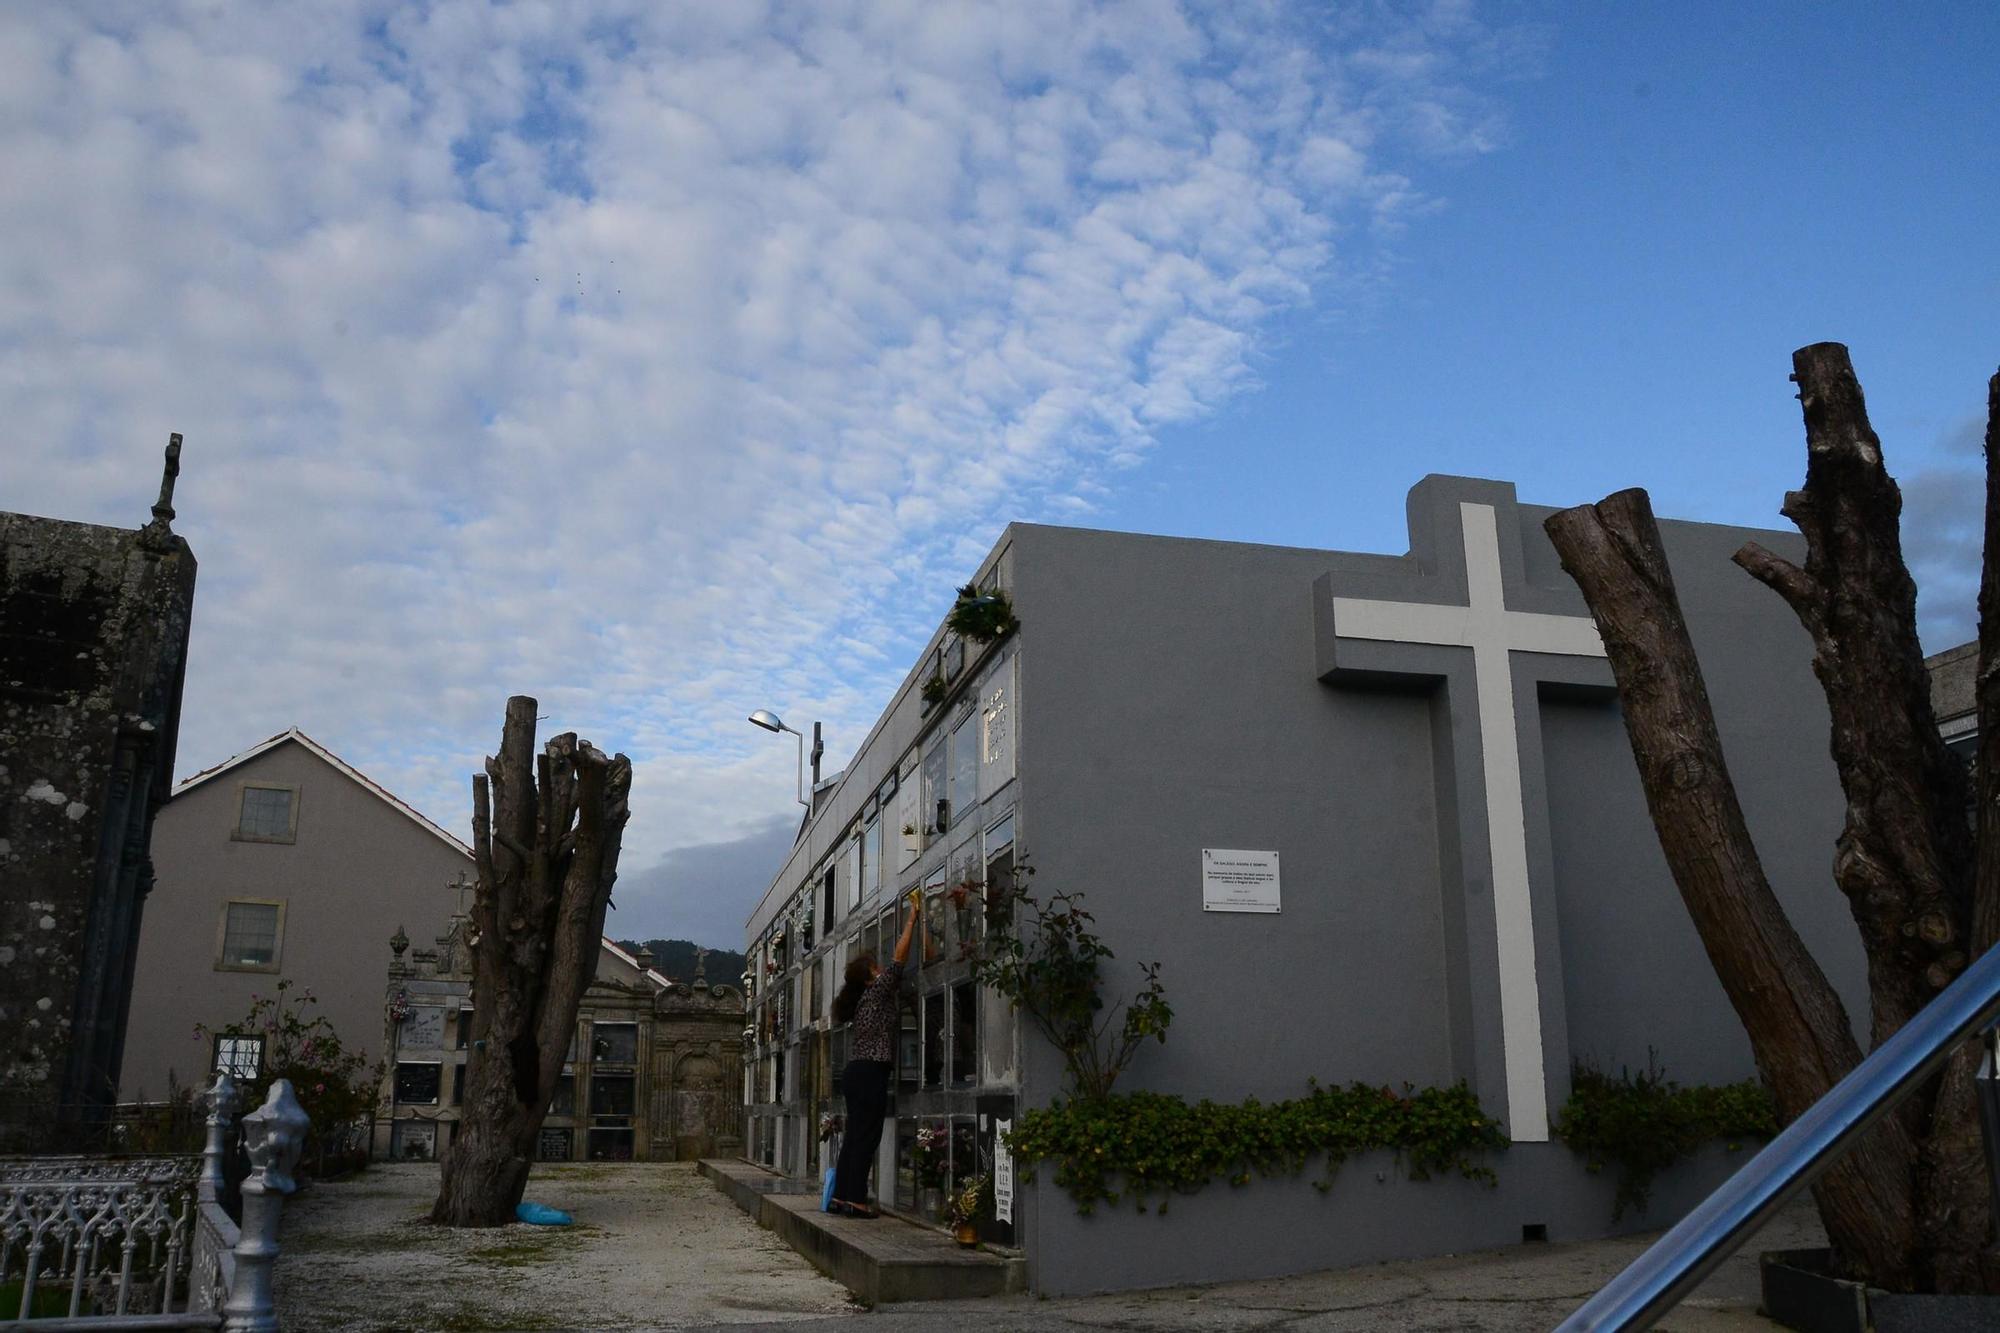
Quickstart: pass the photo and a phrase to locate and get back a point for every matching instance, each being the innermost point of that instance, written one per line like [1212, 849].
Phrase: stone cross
[158, 534]
[163, 508]
[1472, 598]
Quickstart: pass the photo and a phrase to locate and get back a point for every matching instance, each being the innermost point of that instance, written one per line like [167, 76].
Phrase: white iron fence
[144, 1242]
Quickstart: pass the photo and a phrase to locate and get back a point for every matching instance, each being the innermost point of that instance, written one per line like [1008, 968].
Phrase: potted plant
[970, 1204]
[933, 691]
[982, 617]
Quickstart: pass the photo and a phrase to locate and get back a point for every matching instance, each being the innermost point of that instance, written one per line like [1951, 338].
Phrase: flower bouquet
[928, 1157]
[970, 1203]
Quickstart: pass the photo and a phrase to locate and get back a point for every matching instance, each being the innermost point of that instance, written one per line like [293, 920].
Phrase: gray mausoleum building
[1377, 819]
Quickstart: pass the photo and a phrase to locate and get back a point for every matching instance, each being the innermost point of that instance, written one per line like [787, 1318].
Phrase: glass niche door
[948, 1112]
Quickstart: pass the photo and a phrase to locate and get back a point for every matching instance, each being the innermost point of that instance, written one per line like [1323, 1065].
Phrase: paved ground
[655, 1246]
[659, 1247]
[1529, 1289]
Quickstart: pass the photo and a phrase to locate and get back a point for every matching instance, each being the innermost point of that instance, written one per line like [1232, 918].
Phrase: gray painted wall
[1171, 701]
[359, 868]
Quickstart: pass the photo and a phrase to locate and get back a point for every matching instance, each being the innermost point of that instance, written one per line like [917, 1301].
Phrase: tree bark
[1910, 1207]
[546, 831]
[1958, 1200]
[1904, 859]
[1799, 1031]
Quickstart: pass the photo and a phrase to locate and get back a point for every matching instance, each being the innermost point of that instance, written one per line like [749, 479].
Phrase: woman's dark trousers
[866, 1083]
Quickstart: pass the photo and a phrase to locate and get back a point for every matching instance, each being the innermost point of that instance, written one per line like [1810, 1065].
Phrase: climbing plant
[1044, 957]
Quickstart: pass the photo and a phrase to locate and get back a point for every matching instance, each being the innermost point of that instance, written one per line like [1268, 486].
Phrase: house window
[267, 814]
[240, 1057]
[417, 1082]
[252, 933]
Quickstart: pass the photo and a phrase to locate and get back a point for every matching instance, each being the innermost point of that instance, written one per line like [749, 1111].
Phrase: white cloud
[661, 361]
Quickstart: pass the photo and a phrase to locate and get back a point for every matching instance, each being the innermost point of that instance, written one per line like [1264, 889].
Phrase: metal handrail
[1677, 1262]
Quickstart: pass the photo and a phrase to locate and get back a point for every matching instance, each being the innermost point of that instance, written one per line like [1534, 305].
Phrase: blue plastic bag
[826, 1193]
[541, 1215]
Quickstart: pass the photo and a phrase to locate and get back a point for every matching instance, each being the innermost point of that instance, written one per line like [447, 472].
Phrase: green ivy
[1644, 1123]
[1142, 1145]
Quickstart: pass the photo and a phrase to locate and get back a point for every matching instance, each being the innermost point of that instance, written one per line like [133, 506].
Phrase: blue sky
[668, 362]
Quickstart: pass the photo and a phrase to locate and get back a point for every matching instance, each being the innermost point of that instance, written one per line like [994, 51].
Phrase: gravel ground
[655, 1246]
[658, 1246]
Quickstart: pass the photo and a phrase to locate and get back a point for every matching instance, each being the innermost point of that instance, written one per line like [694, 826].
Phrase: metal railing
[113, 1243]
[1677, 1262]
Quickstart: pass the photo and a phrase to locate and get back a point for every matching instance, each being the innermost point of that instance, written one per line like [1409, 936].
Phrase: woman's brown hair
[859, 973]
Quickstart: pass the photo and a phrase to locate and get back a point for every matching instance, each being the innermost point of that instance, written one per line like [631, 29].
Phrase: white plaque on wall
[423, 1030]
[1003, 1174]
[1238, 881]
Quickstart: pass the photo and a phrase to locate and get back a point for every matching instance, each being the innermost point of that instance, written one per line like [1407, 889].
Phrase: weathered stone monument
[93, 645]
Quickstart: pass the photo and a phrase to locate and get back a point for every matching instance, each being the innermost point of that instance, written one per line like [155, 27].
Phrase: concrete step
[881, 1260]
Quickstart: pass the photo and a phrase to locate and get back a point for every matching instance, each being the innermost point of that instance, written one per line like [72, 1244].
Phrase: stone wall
[93, 642]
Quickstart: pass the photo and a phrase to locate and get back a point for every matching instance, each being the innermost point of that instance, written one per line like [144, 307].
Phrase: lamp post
[770, 721]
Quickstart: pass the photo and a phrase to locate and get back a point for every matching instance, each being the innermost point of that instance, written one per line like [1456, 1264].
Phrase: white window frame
[256, 1043]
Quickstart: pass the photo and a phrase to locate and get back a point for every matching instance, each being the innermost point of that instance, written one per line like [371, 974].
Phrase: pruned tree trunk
[1799, 1030]
[546, 831]
[1908, 1207]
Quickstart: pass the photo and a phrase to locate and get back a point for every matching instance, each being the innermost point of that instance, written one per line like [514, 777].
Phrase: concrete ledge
[880, 1261]
[746, 1183]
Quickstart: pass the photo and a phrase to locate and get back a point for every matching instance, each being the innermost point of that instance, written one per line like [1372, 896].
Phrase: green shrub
[1644, 1123]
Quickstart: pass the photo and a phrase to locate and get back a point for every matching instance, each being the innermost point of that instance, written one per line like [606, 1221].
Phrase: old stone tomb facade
[93, 644]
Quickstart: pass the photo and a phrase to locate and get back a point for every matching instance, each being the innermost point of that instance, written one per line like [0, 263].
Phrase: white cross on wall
[1487, 627]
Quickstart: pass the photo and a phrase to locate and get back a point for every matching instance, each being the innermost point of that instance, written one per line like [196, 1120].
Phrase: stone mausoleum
[1377, 819]
[93, 645]
[651, 1075]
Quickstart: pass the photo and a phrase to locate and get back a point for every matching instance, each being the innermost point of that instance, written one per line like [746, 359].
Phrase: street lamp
[770, 721]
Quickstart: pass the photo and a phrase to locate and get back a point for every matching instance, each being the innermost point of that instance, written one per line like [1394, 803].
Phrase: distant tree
[676, 959]
[1908, 1206]
[546, 830]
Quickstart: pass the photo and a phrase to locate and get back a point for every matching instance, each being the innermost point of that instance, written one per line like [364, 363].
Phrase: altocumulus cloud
[662, 361]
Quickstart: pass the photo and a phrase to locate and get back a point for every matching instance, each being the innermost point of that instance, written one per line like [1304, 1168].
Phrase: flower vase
[931, 1202]
[966, 1234]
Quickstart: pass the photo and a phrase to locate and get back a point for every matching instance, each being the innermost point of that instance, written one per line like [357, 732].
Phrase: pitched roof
[619, 953]
[373, 787]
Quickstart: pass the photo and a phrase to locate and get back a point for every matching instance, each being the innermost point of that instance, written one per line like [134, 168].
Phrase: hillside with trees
[675, 958]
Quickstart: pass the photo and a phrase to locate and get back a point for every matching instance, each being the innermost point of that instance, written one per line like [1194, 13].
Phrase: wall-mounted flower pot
[1801, 1292]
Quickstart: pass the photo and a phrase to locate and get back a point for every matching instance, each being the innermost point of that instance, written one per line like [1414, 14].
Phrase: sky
[667, 362]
